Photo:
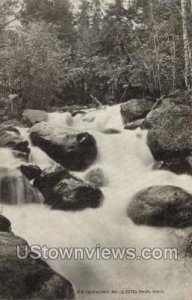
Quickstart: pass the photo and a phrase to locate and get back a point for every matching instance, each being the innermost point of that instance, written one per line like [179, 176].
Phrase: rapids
[127, 163]
[15, 188]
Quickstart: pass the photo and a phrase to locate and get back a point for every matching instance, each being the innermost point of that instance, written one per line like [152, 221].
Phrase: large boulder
[28, 278]
[10, 137]
[169, 137]
[135, 109]
[62, 190]
[48, 178]
[75, 194]
[170, 134]
[179, 98]
[5, 224]
[162, 206]
[32, 116]
[72, 149]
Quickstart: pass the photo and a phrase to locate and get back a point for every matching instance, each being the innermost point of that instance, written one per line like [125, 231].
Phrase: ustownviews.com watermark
[96, 253]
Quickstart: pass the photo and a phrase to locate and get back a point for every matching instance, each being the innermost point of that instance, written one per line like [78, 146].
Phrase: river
[127, 163]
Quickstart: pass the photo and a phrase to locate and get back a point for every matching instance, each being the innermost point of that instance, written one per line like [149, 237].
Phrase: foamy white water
[14, 187]
[127, 163]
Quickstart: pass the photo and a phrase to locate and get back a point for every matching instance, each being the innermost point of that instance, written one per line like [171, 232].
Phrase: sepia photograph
[95, 149]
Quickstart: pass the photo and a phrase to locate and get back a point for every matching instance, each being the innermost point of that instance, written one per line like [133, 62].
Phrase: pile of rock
[71, 150]
[62, 190]
[169, 126]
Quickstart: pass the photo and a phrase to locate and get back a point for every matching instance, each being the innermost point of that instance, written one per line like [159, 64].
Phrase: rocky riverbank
[76, 182]
[169, 126]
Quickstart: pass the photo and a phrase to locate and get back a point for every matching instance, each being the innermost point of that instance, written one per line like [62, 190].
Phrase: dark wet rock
[22, 147]
[10, 137]
[72, 149]
[63, 191]
[111, 131]
[134, 125]
[30, 171]
[75, 194]
[175, 165]
[5, 224]
[46, 182]
[28, 278]
[97, 177]
[135, 109]
[50, 176]
[162, 206]
[32, 116]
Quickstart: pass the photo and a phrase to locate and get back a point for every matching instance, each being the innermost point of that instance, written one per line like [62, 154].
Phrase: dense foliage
[56, 54]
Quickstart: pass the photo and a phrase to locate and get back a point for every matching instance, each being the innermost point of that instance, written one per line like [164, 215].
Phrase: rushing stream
[127, 164]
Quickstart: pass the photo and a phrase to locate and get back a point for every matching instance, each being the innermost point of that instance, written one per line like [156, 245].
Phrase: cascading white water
[37, 156]
[14, 187]
[127, 163]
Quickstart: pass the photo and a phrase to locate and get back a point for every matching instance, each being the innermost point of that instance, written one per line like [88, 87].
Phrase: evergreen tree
[56, 12]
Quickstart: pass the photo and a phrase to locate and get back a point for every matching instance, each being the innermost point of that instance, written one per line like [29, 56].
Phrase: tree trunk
[155, 37]
[187, 52]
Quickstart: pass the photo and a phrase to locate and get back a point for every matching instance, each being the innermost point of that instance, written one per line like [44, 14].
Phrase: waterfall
[127, 164]
[37, 156]
[14, 187]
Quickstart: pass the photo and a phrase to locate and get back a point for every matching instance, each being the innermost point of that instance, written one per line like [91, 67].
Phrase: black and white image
[95, 149]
